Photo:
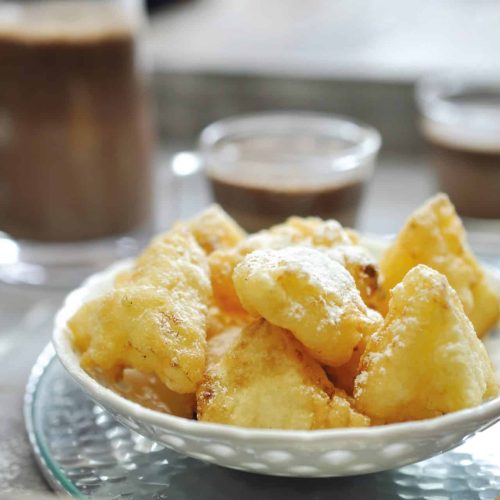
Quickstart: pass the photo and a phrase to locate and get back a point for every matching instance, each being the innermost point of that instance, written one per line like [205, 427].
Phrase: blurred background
[360, 58]
[102, 103]
[103, 100]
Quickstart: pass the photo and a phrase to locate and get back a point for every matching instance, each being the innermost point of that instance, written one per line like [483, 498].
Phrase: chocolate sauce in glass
[269, 178]
[259, 207]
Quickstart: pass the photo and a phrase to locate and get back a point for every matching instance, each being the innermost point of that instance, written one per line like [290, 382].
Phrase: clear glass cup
[460, 117]
[265, 167]
[75, 138]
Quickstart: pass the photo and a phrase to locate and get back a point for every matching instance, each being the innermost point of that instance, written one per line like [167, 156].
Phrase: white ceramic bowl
[321, 453]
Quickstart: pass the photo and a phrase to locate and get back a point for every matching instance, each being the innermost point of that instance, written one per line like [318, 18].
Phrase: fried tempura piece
[364, 269]
[214, 229]
[262, 377]
[219, 321]
[310, 231]
[427, 359]
[320, 233]
[343, 414]
[148, 391]
[434, 235]
[303, 290]
[155, 320]
[343, 245]
[172, 260]
[223, 262]
[343, 376]
[218, 345]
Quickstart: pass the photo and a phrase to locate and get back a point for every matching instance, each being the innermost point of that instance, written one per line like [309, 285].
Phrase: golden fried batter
[214, 229]
[427, 359]
[219, 321]
[364, 269]
[343, 245]
[316, 292]
[149, 392]
[223, 262]
[155, 319]
[310, 231]
[343, 376]
[262, 377]
[434, 235]
[303, 290]
[170, 261]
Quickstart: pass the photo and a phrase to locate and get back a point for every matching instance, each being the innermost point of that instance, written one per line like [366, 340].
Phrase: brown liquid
[256, 207]
[74, 136]
[471, 179]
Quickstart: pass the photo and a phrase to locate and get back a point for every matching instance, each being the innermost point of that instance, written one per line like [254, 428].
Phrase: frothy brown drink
[74, 127]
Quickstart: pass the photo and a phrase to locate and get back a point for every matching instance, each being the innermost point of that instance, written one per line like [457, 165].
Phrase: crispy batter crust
[342, 245]
[303, 290]
[427, 359]
[434, 236]
[262, 377]
[154, 320]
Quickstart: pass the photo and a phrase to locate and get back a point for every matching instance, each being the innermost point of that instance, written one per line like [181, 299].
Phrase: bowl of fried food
[301, 350]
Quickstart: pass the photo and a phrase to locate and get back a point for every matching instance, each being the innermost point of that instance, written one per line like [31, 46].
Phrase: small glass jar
[266, 167]
[460, 117]
[75, 138]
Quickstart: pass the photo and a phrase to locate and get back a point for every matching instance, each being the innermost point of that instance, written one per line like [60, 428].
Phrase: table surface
[26, 314]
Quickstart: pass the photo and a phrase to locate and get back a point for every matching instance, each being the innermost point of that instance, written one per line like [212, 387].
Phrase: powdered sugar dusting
[313, 266]
[305, 291]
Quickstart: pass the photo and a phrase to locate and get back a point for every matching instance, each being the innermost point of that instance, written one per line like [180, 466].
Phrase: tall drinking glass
[75, 138]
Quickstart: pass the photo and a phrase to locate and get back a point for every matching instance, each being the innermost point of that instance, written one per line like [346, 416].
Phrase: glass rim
[17, 19]
[366, 145]
[433, 92]
[460, 109]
